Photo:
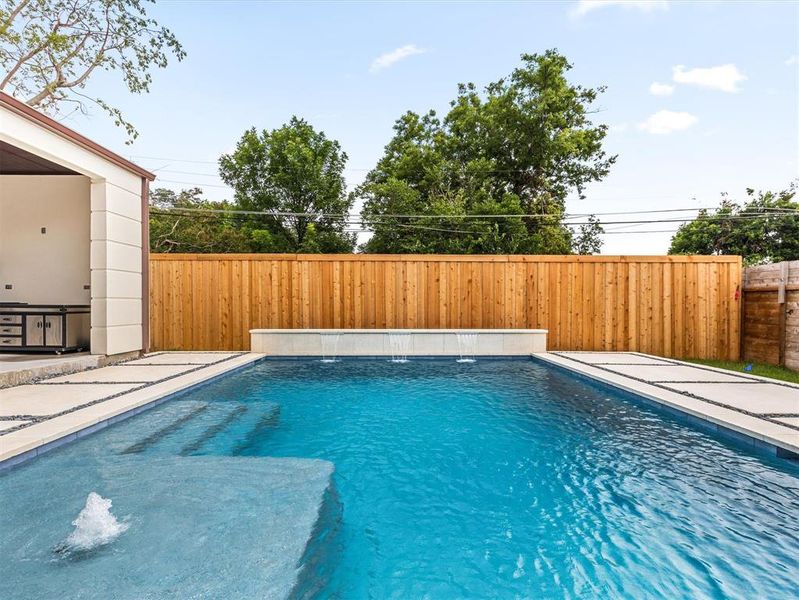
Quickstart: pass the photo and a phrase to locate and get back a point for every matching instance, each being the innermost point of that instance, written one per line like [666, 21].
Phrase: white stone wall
[375, 342]
[50, 267]
[116, 265]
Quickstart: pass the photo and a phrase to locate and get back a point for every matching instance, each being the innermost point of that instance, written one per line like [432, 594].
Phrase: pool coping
[24, 444]
[757, 432]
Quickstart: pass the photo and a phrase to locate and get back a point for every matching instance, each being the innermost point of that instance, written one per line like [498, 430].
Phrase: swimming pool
[501, 478]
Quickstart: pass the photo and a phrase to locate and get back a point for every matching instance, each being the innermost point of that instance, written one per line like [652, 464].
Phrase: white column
[116, 269]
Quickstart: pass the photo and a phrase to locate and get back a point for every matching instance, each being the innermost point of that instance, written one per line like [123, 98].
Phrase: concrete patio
[16, 369]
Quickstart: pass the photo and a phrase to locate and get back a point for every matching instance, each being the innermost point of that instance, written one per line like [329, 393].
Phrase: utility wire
[364, 227]
[322, 215]
[134, 157]
[383, 219]
[199, 185]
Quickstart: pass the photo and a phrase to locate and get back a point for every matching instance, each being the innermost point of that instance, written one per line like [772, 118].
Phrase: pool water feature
[502, 478]
[400, 344]
[95, 526]
[329, 346]
[467, 347]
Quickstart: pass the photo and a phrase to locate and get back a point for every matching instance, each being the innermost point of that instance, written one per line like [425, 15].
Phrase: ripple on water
[500, 479]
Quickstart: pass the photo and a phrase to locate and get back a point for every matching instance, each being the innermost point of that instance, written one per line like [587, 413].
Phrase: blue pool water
[498, 479]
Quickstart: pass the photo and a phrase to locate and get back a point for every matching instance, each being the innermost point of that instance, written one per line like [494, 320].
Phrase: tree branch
[13, 15]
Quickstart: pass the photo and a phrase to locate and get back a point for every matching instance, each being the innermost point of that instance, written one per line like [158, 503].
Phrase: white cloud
[724, 77]
[668, 121]
[661, 89]
[384, 61]
[792, 60]
[584, 7]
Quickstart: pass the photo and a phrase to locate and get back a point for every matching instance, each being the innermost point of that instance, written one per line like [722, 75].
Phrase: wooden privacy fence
[771, 314]
[679, 306]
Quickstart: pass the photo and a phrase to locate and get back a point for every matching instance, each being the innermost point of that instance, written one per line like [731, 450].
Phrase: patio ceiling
[15, 161]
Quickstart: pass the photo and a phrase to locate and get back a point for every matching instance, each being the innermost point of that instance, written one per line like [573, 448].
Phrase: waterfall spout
[329, 346]
[400, 344]
[467, 347]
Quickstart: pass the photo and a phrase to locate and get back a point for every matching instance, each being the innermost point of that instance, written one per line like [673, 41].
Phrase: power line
[377, 218]
[769, 212]
[162, 170]
[635, 232]
[199, 185]
[365, 169]
[134, 157]
[183, 160]
[364, 227]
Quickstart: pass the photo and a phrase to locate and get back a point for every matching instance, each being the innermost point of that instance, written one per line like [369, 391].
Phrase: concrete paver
[123, 374]
[9, 424]
[758, 398]
[613, 358]
[44, 400]
[673, 373]
[16, 369]
[182, 358]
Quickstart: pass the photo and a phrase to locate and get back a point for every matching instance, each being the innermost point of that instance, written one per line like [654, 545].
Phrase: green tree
[50, 48]
[588, 240]
[182, 222]
[514, 153]
[294, 176]
[764, 229]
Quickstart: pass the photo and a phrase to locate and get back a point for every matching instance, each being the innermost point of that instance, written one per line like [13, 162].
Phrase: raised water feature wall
[378, 342]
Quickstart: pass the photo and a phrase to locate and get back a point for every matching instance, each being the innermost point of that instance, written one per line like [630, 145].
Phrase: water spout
[95, 526]
[400, 344]
[467, 347]
[329, 346]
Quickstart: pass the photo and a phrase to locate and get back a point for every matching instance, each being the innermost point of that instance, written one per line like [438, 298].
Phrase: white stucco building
[73, 227]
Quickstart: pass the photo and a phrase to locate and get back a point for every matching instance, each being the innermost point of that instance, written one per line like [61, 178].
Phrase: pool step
[201, 527]
[322, 550]
[131, 437]
[269, 419]
[214, 430]
[194, 429]
[245, 432]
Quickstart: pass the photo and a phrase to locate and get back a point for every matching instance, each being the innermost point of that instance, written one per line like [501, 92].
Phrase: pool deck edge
[19, 446]
[784, 441]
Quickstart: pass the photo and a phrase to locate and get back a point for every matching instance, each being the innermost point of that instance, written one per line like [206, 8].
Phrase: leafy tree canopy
[517, 150]
[186, 222]
[294, 175]
[177, 224]
[50, 48]
[764, 229]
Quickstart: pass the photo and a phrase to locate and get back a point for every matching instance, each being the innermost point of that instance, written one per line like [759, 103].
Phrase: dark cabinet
[44, 328]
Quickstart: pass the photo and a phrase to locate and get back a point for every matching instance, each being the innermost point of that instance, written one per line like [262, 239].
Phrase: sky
[702, 97]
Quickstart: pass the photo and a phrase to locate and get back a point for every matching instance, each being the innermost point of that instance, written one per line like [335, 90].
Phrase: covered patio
[73, 247]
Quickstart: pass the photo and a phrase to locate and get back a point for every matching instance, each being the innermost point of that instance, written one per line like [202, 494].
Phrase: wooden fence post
[742, 314]
[782, 310]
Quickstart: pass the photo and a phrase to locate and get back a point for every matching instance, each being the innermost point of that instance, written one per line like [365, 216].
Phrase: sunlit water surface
[494, 479]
